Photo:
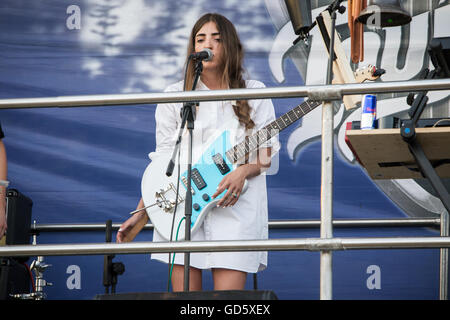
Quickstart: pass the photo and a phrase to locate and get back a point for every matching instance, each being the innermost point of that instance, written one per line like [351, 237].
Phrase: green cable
[176, 239]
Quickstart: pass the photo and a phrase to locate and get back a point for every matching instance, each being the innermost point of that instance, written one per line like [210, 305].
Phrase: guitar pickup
[198, 179]
[221, 164]
[184, 180]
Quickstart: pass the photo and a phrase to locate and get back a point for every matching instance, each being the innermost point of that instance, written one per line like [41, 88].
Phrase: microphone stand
[188, 116]
[111, 269]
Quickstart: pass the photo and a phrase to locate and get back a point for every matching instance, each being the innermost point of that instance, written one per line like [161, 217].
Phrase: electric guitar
[219, 157]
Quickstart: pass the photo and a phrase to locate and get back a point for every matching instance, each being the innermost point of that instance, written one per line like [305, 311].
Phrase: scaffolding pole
[309, 244]
[232, 94]
[273, 224]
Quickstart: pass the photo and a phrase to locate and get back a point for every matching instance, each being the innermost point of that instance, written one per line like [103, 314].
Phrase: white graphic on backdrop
[161, 32]
[400, 51]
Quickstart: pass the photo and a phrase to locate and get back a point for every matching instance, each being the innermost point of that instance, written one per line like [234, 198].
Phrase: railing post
[326, 202]
[443, 272]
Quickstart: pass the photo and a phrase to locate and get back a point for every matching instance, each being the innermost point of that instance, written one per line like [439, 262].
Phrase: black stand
[408, 133]
[111, 270]
[187, 116]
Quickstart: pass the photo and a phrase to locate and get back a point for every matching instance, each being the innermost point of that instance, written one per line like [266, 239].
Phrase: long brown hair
[232, 73]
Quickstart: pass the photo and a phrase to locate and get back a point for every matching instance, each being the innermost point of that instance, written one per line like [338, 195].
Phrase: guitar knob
[196, 207]
[205, 197]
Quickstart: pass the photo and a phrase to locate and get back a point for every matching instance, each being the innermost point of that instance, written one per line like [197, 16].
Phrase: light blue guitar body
[210, 174]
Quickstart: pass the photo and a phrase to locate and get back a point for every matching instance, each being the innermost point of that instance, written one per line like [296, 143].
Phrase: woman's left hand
[233, 183]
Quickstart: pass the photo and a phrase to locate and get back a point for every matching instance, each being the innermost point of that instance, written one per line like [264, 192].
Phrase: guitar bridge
[164, 201]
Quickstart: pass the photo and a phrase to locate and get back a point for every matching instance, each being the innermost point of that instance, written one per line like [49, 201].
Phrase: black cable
[31, 276]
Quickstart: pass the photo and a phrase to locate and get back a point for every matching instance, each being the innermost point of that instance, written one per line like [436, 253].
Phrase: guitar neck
[254, 141]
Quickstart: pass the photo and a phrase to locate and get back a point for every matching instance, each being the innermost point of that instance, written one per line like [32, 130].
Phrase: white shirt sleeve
[167, 116]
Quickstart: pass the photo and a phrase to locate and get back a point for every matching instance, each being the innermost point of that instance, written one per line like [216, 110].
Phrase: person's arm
[130, 228]
[3, 176]
[166, 126]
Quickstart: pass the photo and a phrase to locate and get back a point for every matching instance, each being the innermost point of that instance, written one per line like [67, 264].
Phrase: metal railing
[273, 224]
[319, 93]
[310, 244]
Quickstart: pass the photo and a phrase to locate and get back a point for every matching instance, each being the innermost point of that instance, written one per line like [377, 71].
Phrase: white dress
[248, 218]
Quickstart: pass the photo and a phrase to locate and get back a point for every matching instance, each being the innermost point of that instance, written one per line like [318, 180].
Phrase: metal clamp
[319, 94]
[325, 244]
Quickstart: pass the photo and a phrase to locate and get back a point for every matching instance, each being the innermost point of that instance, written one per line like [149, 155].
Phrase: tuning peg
[379, 72]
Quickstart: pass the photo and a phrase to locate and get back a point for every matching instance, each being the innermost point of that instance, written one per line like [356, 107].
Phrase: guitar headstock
[368, 72]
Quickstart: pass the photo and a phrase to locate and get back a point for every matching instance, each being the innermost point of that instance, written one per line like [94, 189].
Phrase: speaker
[14, 273]
[14, 278]
[18, 213]
[193, 295]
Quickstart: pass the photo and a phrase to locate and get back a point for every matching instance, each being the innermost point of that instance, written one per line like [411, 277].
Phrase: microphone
[206, 55]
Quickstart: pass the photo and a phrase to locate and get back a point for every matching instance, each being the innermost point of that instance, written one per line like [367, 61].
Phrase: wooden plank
[385, 155]
[341, 66]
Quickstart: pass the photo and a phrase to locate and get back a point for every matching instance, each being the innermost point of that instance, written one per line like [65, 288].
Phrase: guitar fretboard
[253, 142]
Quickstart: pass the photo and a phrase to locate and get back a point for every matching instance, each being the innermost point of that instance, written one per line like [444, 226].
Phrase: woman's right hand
[125, 229]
